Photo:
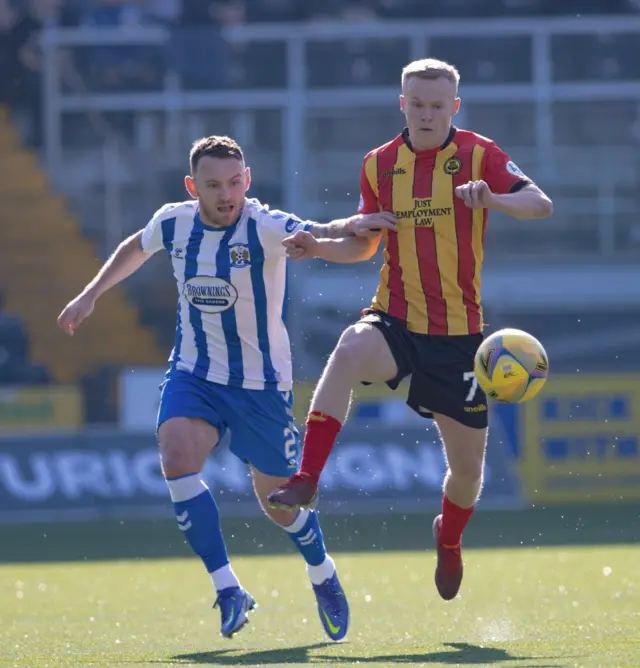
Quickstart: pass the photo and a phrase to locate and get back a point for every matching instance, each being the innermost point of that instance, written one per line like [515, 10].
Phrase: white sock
[187, 487]
[299, 522]
[318, 574]
[224, 577]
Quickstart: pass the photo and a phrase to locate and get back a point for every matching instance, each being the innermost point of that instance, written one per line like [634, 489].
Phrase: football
[511, 366]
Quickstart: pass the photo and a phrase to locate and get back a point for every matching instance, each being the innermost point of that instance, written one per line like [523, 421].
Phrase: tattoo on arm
[336, 229]
[318, 230]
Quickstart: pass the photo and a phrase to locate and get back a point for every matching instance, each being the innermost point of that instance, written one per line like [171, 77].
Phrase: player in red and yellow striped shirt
[426, 319]
[430, 279]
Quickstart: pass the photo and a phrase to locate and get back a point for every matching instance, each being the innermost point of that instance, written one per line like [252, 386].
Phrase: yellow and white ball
[511, 366]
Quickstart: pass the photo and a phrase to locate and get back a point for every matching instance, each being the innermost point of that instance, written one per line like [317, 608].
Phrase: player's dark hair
[216, 147]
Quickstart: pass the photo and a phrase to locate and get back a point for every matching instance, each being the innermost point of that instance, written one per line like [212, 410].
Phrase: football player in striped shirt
[230, 368]
[426, 319]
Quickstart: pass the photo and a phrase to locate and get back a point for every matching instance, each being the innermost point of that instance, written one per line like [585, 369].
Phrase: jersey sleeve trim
[519, 185]
[276, 225]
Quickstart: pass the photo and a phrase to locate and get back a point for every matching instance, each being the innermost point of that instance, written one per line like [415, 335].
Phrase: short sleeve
[152, 236]
[277, 225]
[501, 173]
[368, 199]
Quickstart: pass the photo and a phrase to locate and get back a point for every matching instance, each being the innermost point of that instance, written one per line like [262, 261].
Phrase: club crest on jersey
[453, 166]
[239, 255]
[210, 294]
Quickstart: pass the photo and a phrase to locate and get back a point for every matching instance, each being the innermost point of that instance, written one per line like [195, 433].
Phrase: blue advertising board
[373, 469]
[578, 442]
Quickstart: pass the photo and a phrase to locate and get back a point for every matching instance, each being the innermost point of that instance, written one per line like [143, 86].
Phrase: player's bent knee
[343, 361]
[175, 462]
[178, 460]
[358, 346]
[184, 445]
[348, 353]
[468, 466]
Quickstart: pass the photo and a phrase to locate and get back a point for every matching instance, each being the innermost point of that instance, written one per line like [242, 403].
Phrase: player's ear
[456, 106]
[247, 179]
[402, 103]
[190, 185]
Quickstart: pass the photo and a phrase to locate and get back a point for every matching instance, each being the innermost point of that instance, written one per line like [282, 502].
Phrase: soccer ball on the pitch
[511, 365]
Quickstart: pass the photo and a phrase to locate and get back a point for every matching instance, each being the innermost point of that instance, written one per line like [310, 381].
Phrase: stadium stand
[45, 261]
[593, 183]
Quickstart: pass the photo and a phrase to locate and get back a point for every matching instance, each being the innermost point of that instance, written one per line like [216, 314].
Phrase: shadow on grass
[460, 654]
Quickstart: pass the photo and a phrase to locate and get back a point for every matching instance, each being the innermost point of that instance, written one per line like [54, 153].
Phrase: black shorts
[441, 370]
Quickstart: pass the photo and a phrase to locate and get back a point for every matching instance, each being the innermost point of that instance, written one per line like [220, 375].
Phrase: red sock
[321, 434]
[454, 520]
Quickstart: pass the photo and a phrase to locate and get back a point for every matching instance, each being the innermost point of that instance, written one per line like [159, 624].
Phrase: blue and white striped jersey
[231, 293]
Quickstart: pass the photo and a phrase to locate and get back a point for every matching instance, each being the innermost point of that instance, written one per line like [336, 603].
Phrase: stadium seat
[45, 261]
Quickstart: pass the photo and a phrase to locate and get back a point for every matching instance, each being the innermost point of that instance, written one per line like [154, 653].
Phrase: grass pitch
[537, 606]
[533, 605]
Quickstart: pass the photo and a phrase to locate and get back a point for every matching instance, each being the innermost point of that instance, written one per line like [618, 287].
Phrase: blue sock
[306, 534]
[198, 518]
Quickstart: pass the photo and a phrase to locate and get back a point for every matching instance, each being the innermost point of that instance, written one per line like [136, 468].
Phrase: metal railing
[296, 99]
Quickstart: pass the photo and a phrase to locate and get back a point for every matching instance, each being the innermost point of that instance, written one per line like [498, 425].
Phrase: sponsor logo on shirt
[210, 294]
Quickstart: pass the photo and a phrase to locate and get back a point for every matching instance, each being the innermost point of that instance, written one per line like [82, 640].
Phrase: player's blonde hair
[216, 147]
[430, 68]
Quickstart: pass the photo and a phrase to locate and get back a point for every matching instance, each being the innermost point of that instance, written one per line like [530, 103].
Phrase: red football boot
[449, 569]
[300, 491]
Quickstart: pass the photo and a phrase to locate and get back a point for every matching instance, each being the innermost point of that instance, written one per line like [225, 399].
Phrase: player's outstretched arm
[303, 246]
[360, 225]
[126, 259]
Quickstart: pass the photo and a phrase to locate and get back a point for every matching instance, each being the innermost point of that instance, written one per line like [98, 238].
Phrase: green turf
[108, 539]
[552, 606]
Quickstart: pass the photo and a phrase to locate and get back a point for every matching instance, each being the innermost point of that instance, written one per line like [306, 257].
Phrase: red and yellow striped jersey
[430, 278]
